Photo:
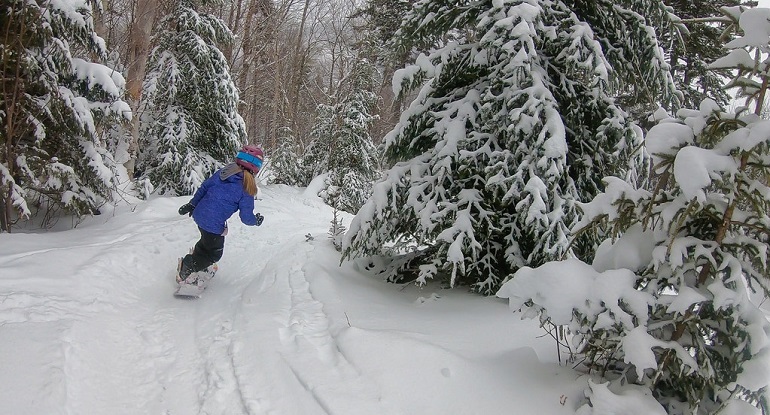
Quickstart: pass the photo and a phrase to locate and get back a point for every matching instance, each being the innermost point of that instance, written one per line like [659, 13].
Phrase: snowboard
[196, 283]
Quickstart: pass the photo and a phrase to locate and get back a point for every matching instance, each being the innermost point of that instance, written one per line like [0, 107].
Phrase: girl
[229, 190]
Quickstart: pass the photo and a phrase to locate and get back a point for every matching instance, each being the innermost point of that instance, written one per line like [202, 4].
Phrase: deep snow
[88, 325]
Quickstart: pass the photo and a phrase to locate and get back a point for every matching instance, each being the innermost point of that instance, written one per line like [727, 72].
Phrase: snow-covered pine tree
[666, 304]
[703, 43]
[190, 123]
[337, 228]
[55, 99]
[284, 162]
[315, 158]
[342, 147]
[380, 19]
[377, 22]
[515, 120]
[354, 159]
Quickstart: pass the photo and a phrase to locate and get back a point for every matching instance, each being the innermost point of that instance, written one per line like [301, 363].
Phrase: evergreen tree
[670, 306]
[315, 158]
[703, 43]
[342, 146]
[354, 163]
[284, 161]
[515, 121]
[55, 99]
[677, 318]
[190, 123]
[337, 229]
[380, 21]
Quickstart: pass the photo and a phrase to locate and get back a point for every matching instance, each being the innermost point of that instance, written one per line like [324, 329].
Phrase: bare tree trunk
[298, 66]
[233, 22]
[248, 36]
[245, 76]
[274, 117]
[141, 31]
[12, 93]
[99, 26]
[390, 110]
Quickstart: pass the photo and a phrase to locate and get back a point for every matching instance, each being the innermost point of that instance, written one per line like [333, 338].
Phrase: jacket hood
[229, 171]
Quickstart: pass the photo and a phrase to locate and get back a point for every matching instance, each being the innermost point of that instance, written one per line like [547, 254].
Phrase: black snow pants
[207, 251]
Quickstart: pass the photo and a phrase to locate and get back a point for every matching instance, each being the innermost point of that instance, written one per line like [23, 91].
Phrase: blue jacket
[219, 197]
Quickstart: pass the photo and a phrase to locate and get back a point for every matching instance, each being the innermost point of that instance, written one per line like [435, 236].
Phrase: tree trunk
[12, 93]
[297, 67]
[279, 69]
[99, 27]
[274, 118]
[233, 22]
[139, 49]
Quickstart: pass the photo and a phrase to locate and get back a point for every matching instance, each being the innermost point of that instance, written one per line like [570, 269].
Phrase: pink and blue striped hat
[250, 158]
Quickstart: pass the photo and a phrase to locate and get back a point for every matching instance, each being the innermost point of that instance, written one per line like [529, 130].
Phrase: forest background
[162, 112]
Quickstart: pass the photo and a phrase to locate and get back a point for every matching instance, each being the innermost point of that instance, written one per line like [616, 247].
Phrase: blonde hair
[249, 183]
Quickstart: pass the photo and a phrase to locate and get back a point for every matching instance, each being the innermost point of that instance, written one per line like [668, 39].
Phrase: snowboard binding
[195, 283]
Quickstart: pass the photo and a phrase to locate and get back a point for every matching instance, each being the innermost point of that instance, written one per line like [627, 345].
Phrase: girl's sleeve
[203, 189]
[246, 210]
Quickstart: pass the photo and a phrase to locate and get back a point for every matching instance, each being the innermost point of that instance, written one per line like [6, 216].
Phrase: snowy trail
[88, 325]
[156, 353]
[229, 377]
[299, 365]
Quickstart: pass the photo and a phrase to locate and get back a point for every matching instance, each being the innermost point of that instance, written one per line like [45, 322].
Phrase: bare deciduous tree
[139, 48]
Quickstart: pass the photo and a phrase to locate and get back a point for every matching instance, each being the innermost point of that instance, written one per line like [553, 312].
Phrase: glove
[186, 209]
[259, 218]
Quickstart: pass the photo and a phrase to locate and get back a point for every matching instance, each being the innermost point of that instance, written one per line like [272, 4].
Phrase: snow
[633, 250]
[666, 137]
[580, 286]
[89, 326]
[17, 195]
[73, 10]
[632, 401]
[755, 372]
[638, 345]
[538, 192]
[754, 23]
[95, 74]
[685, 298]
[694, 167]
[738, 58]
[745, 139]
[406, 73]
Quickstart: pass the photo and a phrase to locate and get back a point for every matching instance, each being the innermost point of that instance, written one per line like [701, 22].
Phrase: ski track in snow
[324, 381]
[157, 354]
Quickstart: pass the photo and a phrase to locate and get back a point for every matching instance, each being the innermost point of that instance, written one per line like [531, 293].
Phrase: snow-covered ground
[88, 325]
